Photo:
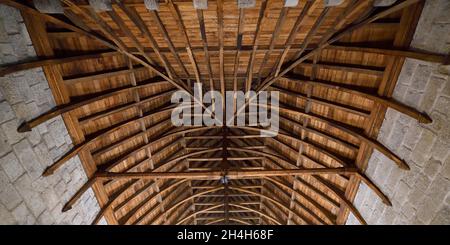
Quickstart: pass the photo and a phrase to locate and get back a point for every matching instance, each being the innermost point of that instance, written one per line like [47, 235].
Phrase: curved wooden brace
[198, 212]
[370, 184]
[327, 41]
[50, 170]
[231, 204]
[62, 109]
[293, 138]
[197, 153]
[75, 150]
[157, 139]
[102, 40]
[344, 201]
[258, 212]
[421, 117]
[316, 217]
[373, 143]
[233, 219]
[283, 206]
[320, 101]
[139, 208]
[330, 39]
[116, 197]
[187, 199]
[185, 131]
[374, 188]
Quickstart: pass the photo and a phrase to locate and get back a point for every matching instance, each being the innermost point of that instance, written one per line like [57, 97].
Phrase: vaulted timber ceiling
[112, 70]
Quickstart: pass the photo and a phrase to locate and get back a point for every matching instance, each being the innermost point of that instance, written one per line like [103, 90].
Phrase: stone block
[435, 84]
[32, 198]
[400, 91]
[11, 166]
[33, 137]
[6, 218]
[439, 189]
[445, 173]
[416, 196]
[25, 111]
[423, 147]
[50, 198]
[443, 105]
[58, 131]
[23, 216]
[413, 97]
[432, 168]
[411, 176]
[9, 197]
[15, 89]
[101, 5]
[4, 145]
[397, 135]
[408, 209]
[49, 141]
[402, 192]
[46, 218]
[49, 6]
[427, 209]
[332, 3]
[200, 4]
[407, 72]
[442, 217]
[387, 218]
[394, 178]
[246, 3]
[422, 182]
[9, 128]
[421, 77]
[43, 155]
[6, 112]
[446, 90]
[440, 150]
[28, 159]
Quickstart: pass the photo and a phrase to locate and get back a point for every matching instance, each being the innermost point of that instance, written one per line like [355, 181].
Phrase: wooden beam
[179, 21]
[221, 45]
[251, 62]
[169, 42]
[137, 20]
[48, 61]
[336, 38]
[270, 80]
[292, 35]
[374, 143]
[214, 175]
[205, 47]
[78, 148]
[237, 220]
[238, 52]
[61, 109]
[323, 102]
[413, 54]
[278, 27]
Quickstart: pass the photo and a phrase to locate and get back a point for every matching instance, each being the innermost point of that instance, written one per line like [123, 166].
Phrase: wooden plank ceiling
[112, 74]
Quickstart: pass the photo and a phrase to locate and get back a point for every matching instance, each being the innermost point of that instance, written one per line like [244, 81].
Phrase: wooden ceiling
[112, 74]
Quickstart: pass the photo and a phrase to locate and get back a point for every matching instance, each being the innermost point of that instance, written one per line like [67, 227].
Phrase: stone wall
[25, 196]
[421, 195]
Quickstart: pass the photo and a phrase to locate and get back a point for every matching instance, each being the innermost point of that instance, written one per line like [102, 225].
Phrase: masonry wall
[25, 196]
[421, 195]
